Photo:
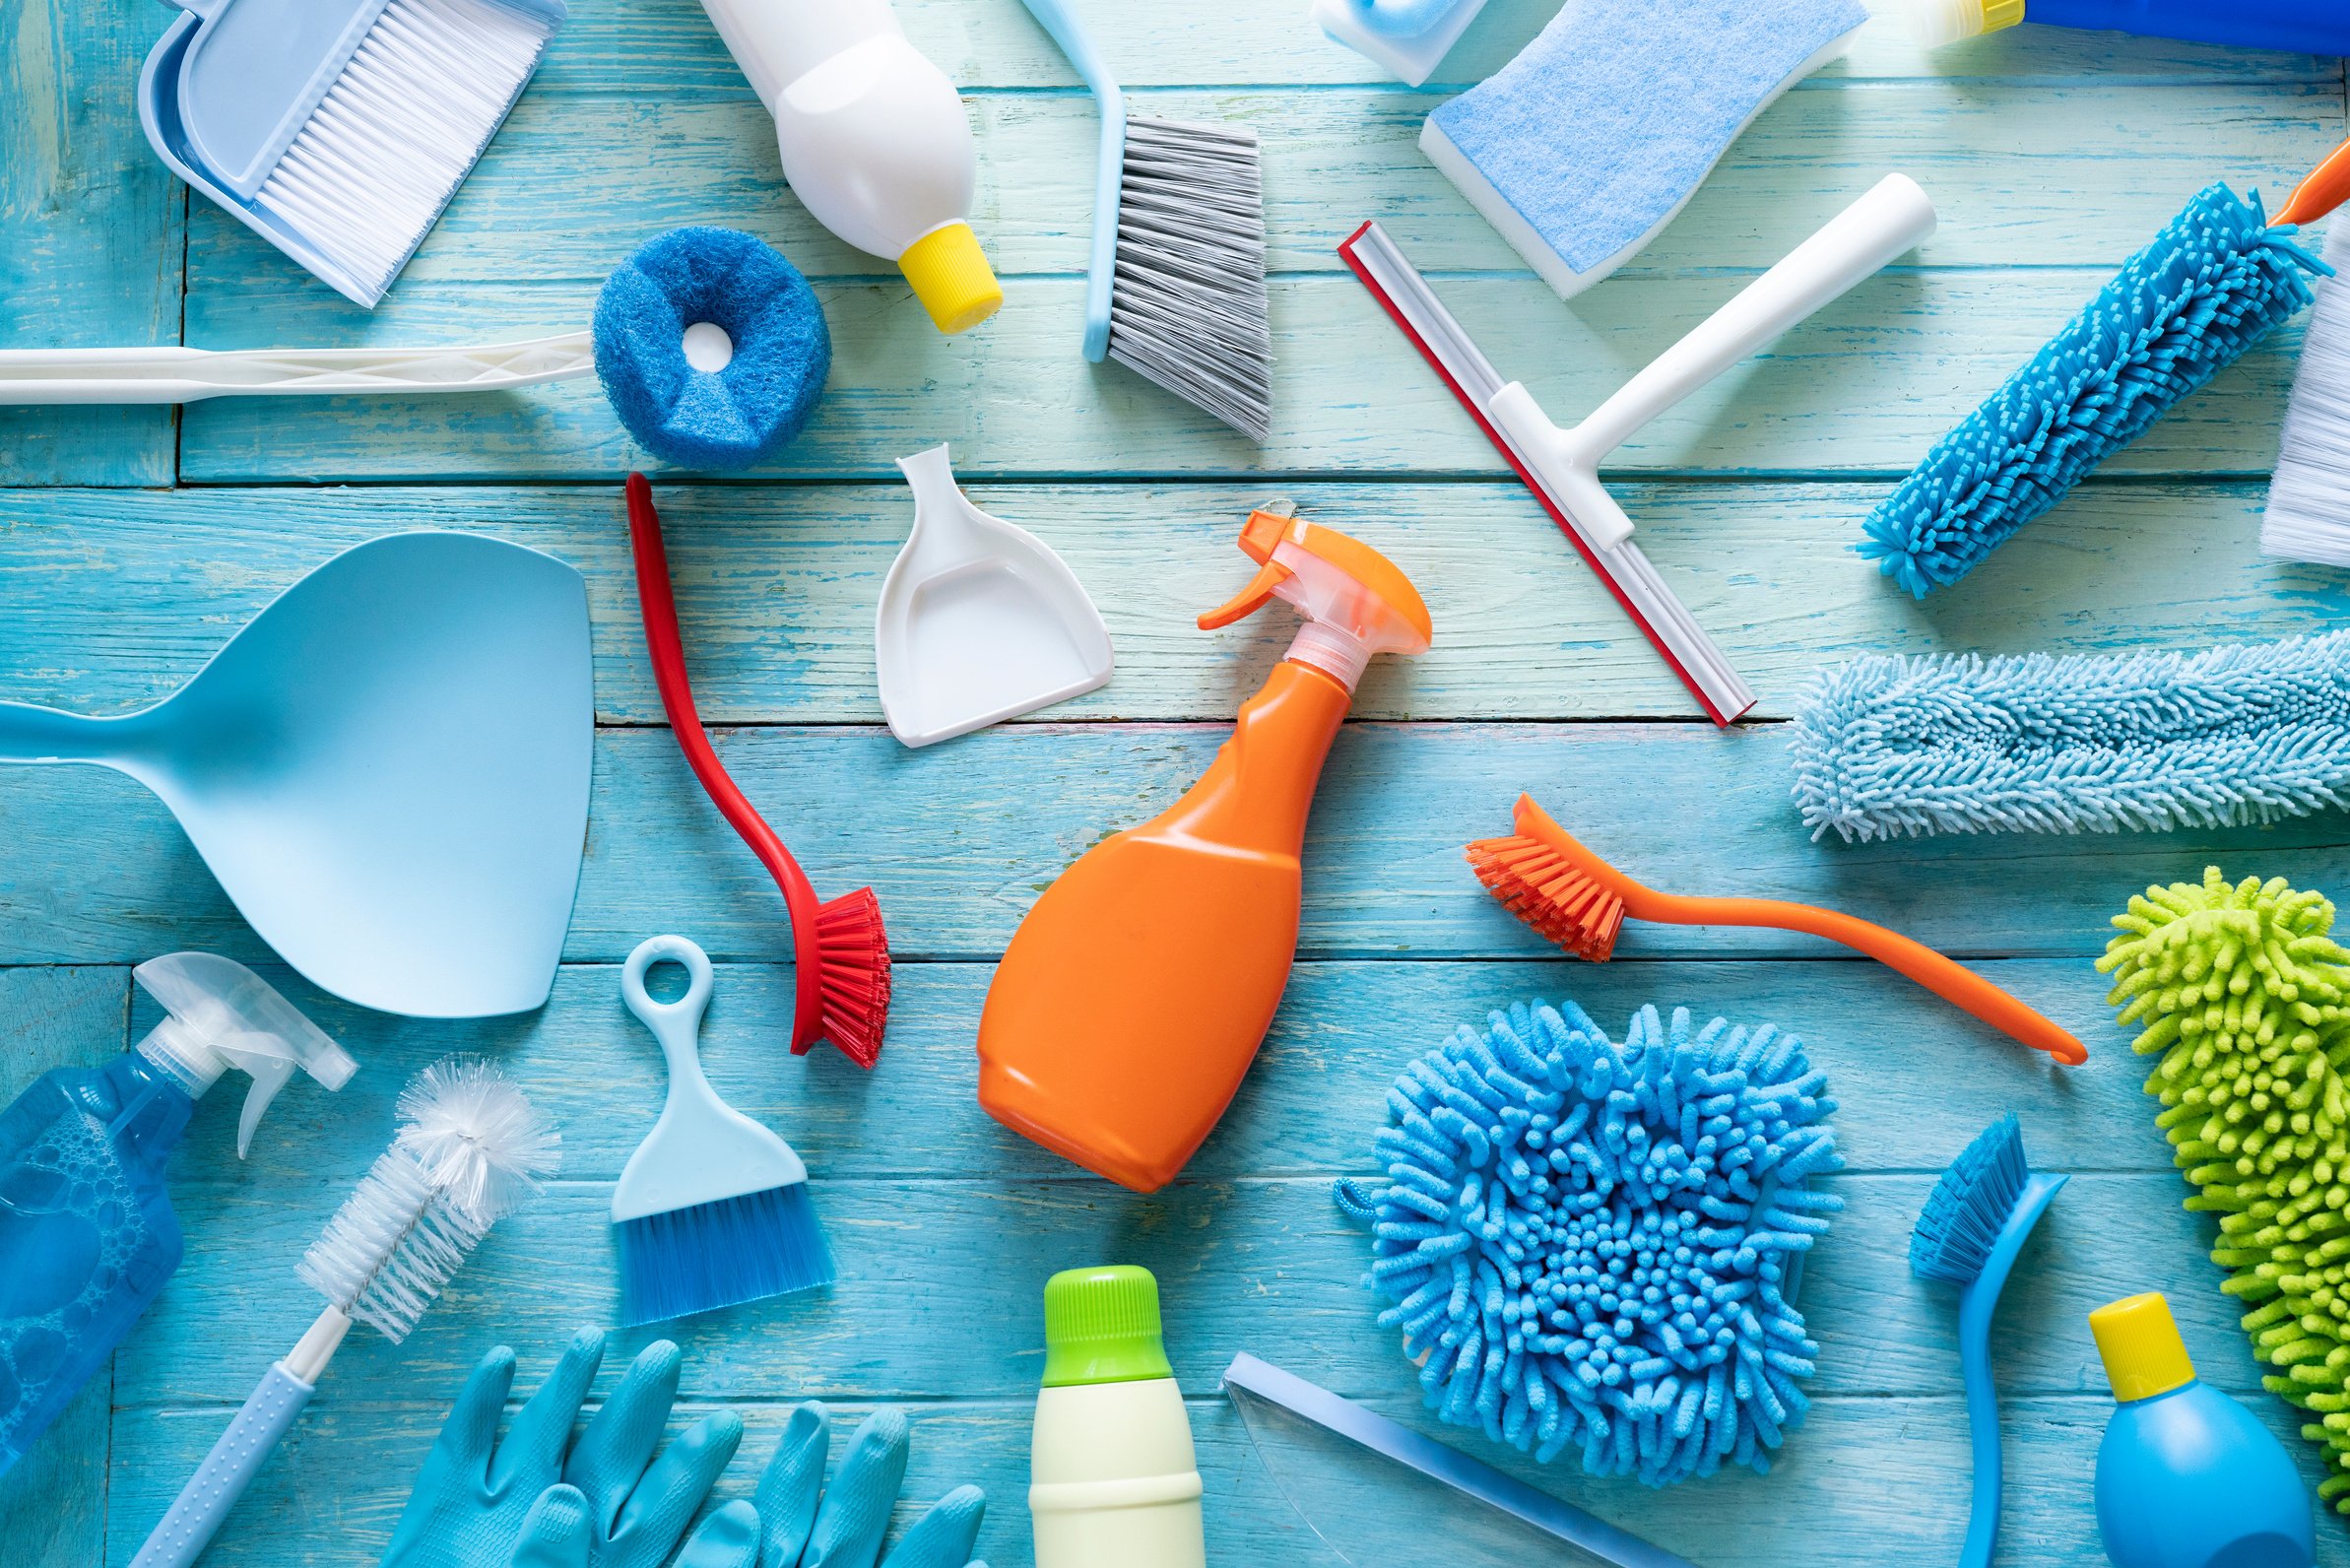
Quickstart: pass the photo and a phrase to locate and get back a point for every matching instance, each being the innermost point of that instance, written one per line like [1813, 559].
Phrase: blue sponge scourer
[759, 398]
[2212, 282]
[1595, 1246]
[1600, 130]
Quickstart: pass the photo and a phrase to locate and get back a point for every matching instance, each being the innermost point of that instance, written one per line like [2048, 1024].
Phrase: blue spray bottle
[2186, 1477]
[87, 1233]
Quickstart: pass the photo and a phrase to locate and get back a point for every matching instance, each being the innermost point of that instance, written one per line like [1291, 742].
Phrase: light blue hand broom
[712, 1209]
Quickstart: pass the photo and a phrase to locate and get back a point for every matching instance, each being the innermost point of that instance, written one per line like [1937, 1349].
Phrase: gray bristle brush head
[471, 1149]
[1187, 306]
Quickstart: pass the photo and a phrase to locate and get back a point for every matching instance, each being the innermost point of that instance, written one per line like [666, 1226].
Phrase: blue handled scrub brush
[1973, 1223]
[2210, 285]
[471, 1149]
[712, 1209]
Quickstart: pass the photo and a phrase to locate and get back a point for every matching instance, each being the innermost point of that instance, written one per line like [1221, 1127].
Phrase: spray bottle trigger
[1254, 597]
[270, 1073]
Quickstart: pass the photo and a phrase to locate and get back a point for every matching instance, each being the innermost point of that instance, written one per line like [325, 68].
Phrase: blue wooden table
[133, 541]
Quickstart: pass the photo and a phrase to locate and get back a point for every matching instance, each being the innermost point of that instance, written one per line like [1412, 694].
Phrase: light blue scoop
[387, 770]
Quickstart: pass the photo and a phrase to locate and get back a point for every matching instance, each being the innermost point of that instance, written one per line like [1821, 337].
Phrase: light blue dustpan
[387, 770]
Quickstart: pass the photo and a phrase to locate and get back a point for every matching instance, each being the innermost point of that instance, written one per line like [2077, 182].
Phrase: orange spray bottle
[1134, 997]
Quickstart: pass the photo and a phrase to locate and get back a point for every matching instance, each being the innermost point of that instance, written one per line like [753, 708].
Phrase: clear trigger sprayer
[87, 1232]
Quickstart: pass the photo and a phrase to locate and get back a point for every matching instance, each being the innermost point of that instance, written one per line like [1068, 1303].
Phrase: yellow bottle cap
[951, 278]
[2001, 14]
[2139, 1342]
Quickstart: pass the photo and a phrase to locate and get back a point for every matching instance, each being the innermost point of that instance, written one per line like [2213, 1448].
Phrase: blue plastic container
[2187, 1477]
[87, 1232]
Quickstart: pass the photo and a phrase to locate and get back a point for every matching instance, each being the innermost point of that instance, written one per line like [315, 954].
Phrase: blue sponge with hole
[729, 417]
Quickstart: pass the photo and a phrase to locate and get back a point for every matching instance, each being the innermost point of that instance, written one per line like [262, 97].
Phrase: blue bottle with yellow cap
[2187, 1477]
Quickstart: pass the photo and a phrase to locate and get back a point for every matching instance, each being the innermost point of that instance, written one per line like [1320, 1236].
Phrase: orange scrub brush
[1578, 900]
[840, 952]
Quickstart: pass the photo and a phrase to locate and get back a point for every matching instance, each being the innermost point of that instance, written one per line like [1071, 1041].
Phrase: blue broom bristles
[721, 1253]
[2207, 289]
[1888, 746]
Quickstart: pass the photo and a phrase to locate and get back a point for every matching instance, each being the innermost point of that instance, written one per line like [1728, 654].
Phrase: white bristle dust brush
[337, 130]
[2309, 501]
[470, 1151]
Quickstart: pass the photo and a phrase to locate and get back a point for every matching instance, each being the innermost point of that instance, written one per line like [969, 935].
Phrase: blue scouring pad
[1602, 129]
[1597, 1246]
[770, 364]
[2212, 284]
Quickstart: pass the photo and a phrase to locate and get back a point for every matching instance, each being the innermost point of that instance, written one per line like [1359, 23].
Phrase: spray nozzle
[1357, 602]
[221, 1014]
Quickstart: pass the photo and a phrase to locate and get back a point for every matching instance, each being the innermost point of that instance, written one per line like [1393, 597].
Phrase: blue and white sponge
[1600, 130]
[777, 349]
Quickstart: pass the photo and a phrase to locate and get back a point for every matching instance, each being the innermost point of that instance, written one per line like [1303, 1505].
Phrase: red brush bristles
[854, 950]
[1552, 894]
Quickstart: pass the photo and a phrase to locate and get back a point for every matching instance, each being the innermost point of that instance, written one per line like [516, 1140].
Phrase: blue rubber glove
[797, 1523]
[475, 1494]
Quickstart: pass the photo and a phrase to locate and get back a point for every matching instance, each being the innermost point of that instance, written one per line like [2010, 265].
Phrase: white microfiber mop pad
[1600, 130]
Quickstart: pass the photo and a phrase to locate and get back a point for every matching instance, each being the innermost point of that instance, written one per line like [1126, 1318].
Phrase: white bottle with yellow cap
[874, 141]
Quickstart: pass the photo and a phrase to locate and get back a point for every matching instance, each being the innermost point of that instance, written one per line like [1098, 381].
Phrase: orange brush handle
[2325, 191]
[1953, 982]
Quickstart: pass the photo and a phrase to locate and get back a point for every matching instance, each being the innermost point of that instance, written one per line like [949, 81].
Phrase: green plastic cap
[1101, 1326]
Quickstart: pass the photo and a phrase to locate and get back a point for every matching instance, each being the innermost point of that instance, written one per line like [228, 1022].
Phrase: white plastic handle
[169, 373]
[1892, 218]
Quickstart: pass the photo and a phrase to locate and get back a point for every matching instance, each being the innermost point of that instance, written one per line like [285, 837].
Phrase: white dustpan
[979, 621]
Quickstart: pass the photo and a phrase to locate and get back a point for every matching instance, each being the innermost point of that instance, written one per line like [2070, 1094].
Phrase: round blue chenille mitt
[761, 397]
[1591, 1245]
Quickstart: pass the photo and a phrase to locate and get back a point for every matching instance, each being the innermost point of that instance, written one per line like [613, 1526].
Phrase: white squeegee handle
[1892, 218]
[169, 373]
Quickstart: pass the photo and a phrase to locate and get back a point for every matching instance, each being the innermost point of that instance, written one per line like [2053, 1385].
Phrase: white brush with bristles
[470, 1151]
[2309, 500]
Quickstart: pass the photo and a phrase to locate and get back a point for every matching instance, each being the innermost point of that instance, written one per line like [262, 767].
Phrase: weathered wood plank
[1334, 158]
[1915, 1078]
[776, 587]
[959, 839]
[53, 1501]
[95, 233]
[1864, 387]
[1264, 1261]
[666, 45]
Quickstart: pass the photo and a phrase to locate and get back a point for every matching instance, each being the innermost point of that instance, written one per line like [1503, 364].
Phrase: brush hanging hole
[709, 349]
[667, 981]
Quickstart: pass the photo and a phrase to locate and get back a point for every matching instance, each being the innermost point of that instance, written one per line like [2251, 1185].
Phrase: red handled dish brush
[1575, 899]
[840, 951]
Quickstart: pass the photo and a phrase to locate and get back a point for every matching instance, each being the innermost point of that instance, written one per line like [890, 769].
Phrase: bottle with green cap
[1114, 1483]
[2187, 1477]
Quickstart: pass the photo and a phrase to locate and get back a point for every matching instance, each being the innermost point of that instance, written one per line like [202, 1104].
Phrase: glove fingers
[471, 1430]
[944, 1536]
[791, 1484]
[532, 1457]
[556, 1532]
[728, 1538]
[612, 1453]
[856, 1512]
[671, 1492]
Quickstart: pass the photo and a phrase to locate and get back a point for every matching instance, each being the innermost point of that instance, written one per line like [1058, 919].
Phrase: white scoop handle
[169, 373]
[1892, 218]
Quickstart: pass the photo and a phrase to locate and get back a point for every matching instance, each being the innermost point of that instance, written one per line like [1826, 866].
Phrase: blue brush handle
[1101, 270]
[2299, 27]
[1975, 1309]
[225, 1473]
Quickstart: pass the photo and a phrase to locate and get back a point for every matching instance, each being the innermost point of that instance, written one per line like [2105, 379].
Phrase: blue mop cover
[1594, 1245]
[1887, 747]
[699, 418]
[1608, 122]
[2207, 289]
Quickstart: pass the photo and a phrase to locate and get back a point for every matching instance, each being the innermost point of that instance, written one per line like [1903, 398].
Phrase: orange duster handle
[1953, 982]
